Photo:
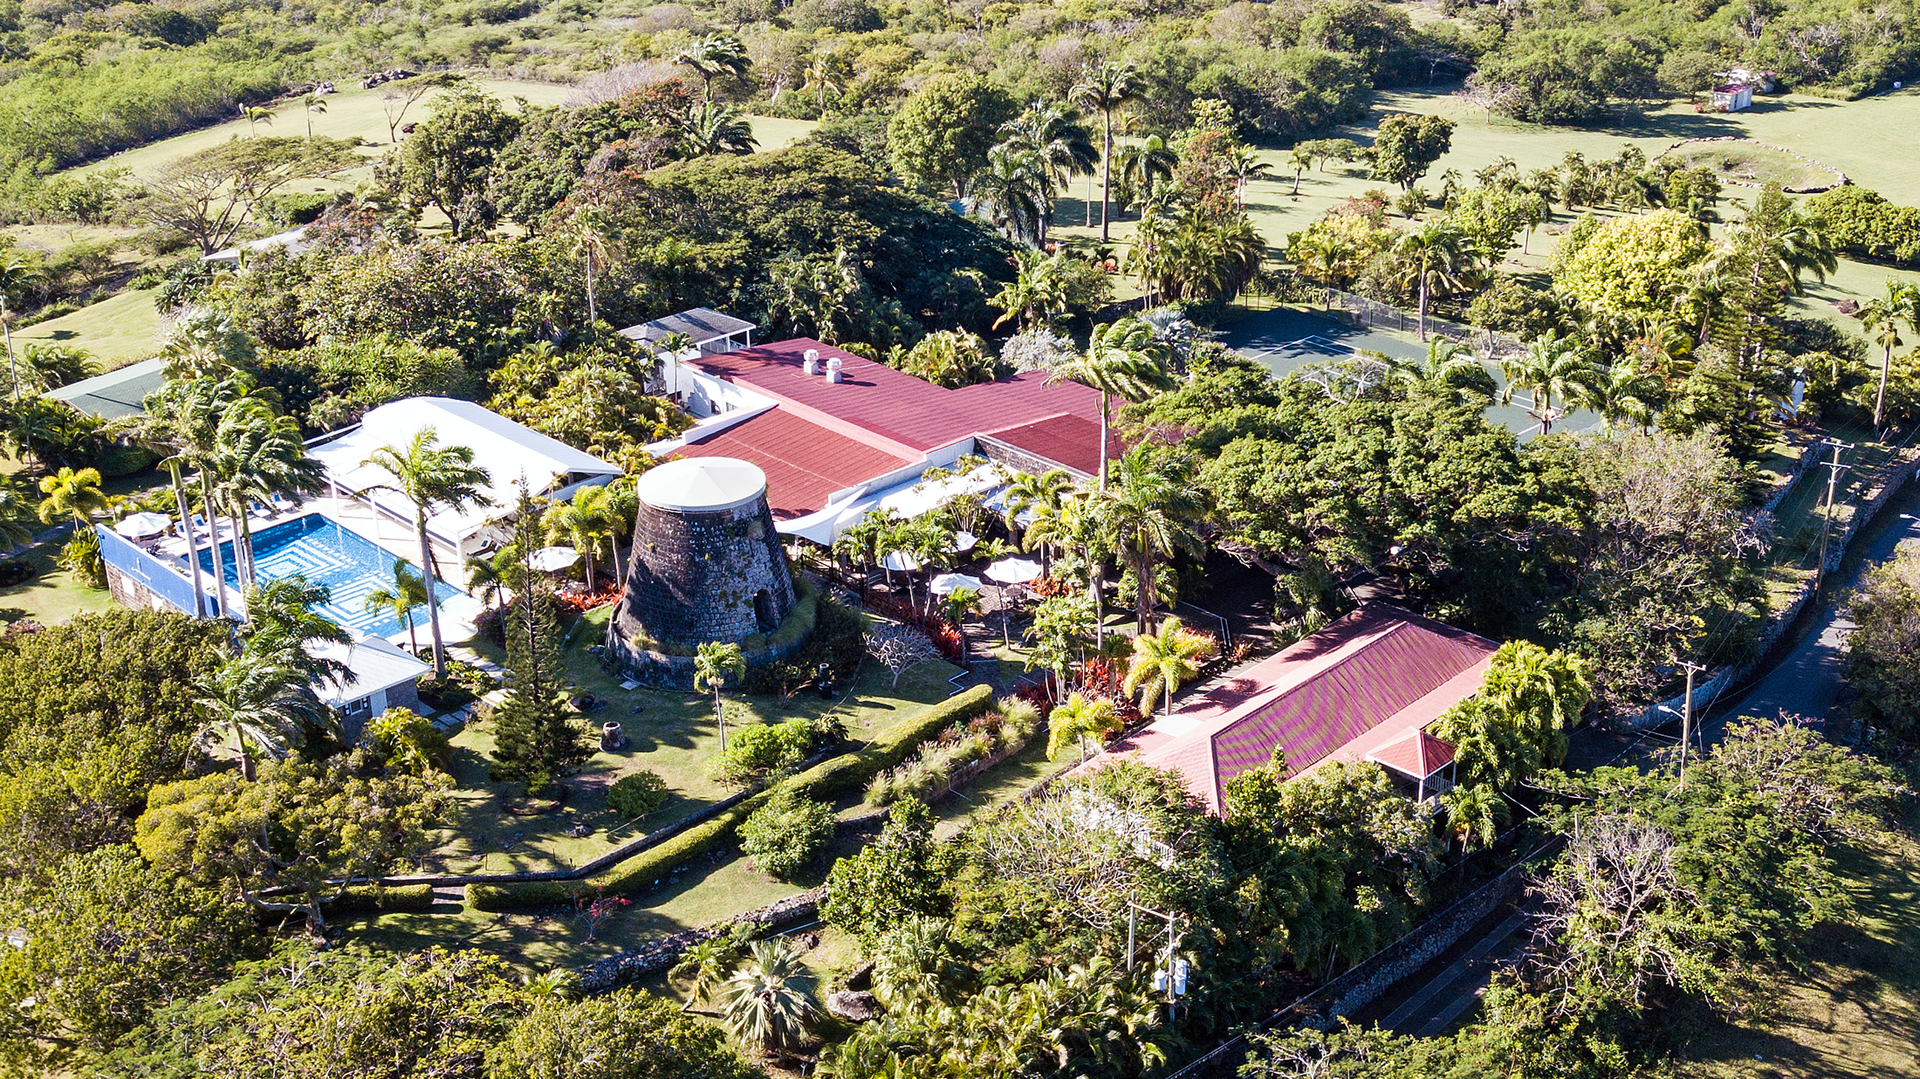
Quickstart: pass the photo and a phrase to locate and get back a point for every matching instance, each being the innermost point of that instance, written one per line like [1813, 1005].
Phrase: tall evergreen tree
[535, 739]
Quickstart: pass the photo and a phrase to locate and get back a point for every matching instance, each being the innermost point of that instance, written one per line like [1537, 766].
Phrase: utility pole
[1834, 468]
[1173, 976]
[1686, 719]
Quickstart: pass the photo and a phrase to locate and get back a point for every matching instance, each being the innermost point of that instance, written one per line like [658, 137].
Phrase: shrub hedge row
[828, 780]
[369, 898]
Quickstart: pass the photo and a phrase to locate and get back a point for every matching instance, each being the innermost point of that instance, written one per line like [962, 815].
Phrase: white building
[508, 452]
[380, 675]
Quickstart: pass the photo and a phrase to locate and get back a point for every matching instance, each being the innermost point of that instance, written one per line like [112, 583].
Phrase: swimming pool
[324, 552]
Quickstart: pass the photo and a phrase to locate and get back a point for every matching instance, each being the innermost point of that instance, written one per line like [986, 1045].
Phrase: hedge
[847, 773]
[370, 898]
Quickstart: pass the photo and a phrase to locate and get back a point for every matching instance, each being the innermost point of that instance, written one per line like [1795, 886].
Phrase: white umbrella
[964, 541]
[142, 525]
[1014, 570]
[900, 562]
[949, 583]
[553, 559]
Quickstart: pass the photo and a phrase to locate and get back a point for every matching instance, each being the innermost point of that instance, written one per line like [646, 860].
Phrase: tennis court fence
[1489, 344]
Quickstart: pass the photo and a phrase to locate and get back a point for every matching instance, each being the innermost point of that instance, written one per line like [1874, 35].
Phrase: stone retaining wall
[1840, 178]
[658, 955]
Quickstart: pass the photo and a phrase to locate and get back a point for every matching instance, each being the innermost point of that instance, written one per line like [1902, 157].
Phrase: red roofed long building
[1363, 688]
[832, 431]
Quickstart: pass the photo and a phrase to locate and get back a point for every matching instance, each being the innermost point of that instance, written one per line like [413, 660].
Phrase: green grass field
[52, 595]
[117, 330]
[1753, 163]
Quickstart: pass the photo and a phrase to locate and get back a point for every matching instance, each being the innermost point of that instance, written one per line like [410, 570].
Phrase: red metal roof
[1415, 753]
[804, 461]
[895, 411]
[1066, 439]
[1360, 683]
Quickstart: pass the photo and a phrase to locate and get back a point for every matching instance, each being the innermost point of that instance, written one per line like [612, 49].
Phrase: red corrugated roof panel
[1415, 753]
[804, 461]
[1066, 439]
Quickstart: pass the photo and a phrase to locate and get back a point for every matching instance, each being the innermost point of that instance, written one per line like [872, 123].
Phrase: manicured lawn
[118, 331]
[778, 133]
[1752, 163]
[51, 596]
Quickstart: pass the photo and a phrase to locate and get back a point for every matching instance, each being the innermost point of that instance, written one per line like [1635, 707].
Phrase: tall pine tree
[535, 738]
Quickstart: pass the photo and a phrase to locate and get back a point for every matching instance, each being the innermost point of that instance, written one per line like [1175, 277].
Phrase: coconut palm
[16, 509]
[1146, 165]
[1551, 367]
[1122, 360]
[711, 128]
[581, 522]
[409, 591]
[72, 495]
[1152, 511]
[1880, 318]
[1620, 393]
[1474, 815]
[312, 103]
[714, 665]
[706, 966]
[769, 1002]
[429, 476]
[593, 245]
[1052, 135]
[1432, 258]
[256, 114]
[713, 56]
[822, 76]
[1301, 160]
[1013, 193]
[1163, 660]
[1107, 88]
[258, 455]
[484, 575]
[15, 274]
[1245, 167]
[1449, 369]
[1079, 720]
[1042, 494]
[1077, 524]
[283, 627]
[1037, 295]
[265, 705]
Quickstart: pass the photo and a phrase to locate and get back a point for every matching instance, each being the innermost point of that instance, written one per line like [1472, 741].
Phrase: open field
[117, 330]
[52, 595]
[1739, 163]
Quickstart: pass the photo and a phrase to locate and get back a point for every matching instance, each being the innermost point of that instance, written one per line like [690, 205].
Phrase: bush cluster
[757, 751]
[638, 794]
[1006, 729]
[787, 834]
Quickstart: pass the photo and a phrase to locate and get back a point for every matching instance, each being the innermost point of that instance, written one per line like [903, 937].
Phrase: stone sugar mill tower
[706, 565]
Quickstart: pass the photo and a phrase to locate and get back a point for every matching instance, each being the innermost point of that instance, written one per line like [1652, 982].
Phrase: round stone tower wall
[706, 565]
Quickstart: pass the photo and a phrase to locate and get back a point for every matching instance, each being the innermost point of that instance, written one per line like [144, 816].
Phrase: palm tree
[313, 103]
[1013, 193]
[1301, 160]
[72, 495]
[484, 574]
[1433, 257]
[1078, 720]
[181, 420]
[1122, 360]
[1043, 494]
[1037, 295]
[713, 56]
[409, 591]
[1449, 368]
[1474, 815]
[1620, 392]
[714, 665]
[1245, 167]
[14, 276]
[1147, 165]
[259, 455]
[1552, 366]
[257, 114]
[581, 522]
[1162, 660]
[1880, 317]
[1077, 524]
[712, 128]
[768, 1002]
[593, 243]
[1052, 135]
[1108, 88]
[262, 703]
[15, 510]
[429, 475]
[822, 75]
[707, 965]
[1152, 512]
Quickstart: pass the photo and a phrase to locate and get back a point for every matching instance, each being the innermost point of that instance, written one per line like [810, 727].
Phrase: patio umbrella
[1013, 571]
[949, 583]
[142, 525]
[964, 541]
[553, 559]
[900, 561]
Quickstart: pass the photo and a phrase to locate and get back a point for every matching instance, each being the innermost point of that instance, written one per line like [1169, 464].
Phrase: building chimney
[811, 366]
[833, 369]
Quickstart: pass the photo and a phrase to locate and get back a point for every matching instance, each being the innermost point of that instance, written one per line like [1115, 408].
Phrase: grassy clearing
[118, 330]
[1752, 163]
[1855, 1012]
[778, 132]
[52, 595]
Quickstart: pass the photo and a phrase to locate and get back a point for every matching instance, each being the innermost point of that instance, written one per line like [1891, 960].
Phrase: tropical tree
[264, 704]
[1051, 136]
[1551, 367]
[1147, 165]
[73, 496]
[580, 522]
[712, 128]
[1013, 193]
[409, 591]
[1037, 295]
[1474, 815]
[714, 665]
[1243, 167]
[592, 241]
[15, 273]
[429, 476]
[484, 575]
[16, 509]
[1880, 318]
[1449, 368]
[706, 966]
[1108, 88]
[1301, 160]
[1044, 493]
[713, 56]
[822, 77]
[1432, 259]
[312, 103]
[257, 456]
[1123, 359]
[1621, 393]
[1163, 660]
[1152, 512]
[283, 627]
[259, 114]
[768, 1002]
[1080, 720]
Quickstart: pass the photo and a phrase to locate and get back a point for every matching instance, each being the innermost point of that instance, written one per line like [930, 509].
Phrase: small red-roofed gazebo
[1420, 757]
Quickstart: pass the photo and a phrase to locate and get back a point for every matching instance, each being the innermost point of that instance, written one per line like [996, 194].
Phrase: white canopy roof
[372, 663]
[909, 498]
[508, 451]
[702, 483]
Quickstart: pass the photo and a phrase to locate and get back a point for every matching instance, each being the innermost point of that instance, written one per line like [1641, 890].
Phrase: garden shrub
[825, 781]
[638, 794]
[1006, 729]
[787, 834]
[370, 898]
[757, 751]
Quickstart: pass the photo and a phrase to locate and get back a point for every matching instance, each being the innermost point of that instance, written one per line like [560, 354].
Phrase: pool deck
[391, 536]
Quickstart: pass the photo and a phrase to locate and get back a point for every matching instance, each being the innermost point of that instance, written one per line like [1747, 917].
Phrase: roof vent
[812, 364]
[833, 369]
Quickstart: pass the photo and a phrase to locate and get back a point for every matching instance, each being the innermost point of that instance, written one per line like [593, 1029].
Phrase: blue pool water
[350, 565]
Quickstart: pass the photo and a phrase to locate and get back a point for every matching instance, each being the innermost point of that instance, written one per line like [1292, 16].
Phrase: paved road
[1806, 680]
